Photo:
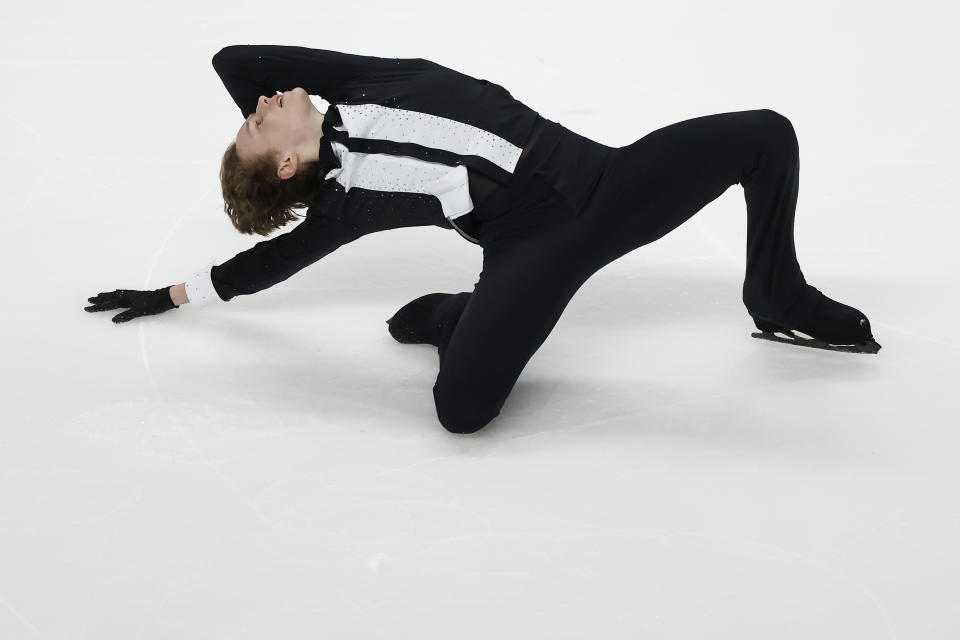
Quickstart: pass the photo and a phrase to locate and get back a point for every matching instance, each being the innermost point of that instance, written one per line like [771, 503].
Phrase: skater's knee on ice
[459, 415]
[463, 420]
[461, 425]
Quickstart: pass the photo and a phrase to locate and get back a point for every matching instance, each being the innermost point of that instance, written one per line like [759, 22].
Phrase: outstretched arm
[249, 71]
[269, 261]
[178, 294]
[261, 266]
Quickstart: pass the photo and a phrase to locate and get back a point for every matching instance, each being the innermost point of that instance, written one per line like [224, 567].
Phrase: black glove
[140, 303]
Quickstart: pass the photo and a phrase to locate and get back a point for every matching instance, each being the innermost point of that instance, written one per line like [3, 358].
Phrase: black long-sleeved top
[410, 139]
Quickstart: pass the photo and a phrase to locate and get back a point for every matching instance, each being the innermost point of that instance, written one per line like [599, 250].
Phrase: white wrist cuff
[200, 289]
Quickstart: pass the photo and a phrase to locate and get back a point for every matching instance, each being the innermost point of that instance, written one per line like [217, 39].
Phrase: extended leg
[655, 184]
[652, 186]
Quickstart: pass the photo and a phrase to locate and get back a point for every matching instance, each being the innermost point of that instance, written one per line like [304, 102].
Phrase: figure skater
[409, 142]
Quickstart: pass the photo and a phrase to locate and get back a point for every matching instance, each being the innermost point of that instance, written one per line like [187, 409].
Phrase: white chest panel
[383, 172]
[376, 122]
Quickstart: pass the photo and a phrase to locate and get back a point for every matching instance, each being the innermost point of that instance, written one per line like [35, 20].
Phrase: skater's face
[280, 126]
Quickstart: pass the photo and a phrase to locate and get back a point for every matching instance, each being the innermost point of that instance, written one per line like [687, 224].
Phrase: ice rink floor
[273, 467]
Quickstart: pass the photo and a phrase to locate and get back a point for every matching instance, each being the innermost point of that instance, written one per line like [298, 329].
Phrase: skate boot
[422, 320]
[831, 325]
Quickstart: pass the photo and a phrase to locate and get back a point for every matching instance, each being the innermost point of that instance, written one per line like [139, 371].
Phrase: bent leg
[655, 184]
[526, 283]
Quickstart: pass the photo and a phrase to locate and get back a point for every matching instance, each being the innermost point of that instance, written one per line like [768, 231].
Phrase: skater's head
[273, 165]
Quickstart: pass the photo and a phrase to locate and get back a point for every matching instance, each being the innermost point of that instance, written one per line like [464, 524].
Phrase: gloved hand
[140, 303]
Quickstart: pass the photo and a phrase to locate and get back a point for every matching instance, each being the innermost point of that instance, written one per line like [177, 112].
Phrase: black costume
[548, 206]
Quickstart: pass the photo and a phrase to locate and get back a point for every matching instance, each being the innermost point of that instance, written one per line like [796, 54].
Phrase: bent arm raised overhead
[251, 70]
[269, 261]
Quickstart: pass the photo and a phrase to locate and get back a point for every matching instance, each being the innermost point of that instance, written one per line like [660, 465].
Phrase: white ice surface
[274, 468]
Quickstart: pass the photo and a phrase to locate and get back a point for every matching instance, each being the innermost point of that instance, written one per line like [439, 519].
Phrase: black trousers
[575, 205]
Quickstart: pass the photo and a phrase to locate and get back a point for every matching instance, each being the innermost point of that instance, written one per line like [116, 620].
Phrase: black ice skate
[424, 319]
[831, 325]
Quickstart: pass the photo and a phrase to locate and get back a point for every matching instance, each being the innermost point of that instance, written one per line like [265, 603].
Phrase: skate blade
[864, 347]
